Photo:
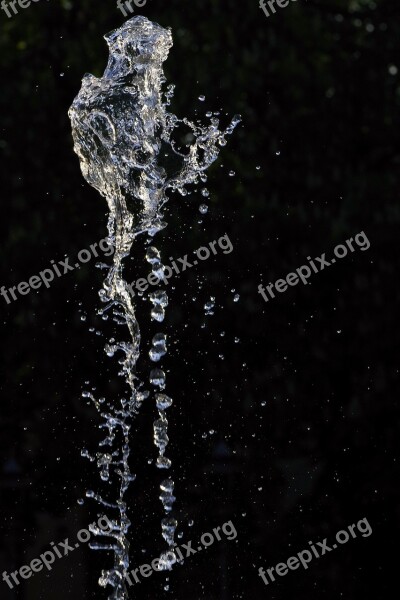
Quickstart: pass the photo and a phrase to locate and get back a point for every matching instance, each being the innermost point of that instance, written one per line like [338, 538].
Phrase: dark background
[304, 407]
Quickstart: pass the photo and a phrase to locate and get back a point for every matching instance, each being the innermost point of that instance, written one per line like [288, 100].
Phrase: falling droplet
[159, 348]
[157, 378]
[209, 306]
[163, 401]
[152, 255]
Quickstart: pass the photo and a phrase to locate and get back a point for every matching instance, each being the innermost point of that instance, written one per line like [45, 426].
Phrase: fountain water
[123, 135]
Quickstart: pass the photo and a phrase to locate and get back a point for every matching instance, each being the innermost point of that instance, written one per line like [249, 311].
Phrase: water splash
[124, 137]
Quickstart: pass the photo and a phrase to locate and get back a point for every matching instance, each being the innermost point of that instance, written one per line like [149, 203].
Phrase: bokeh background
[292, 431]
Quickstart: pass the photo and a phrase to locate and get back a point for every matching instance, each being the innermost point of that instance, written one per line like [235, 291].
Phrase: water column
[123, 135]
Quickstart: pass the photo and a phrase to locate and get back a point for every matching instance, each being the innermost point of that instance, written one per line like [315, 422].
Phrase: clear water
[124, 136]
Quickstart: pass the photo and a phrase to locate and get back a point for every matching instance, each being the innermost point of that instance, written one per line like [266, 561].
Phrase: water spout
[123, 135]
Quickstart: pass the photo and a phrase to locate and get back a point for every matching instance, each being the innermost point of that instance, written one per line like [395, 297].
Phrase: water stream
[124, 136]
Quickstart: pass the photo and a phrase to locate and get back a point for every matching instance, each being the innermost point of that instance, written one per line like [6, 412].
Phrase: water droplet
[159, 297]
[159, 348]
[152, 255]
[110, 350]
[160, 434]
[167, 560]
[202, 98]
[209, 306]
[158, 313]
[157, 378]
[163, 401]
[167, 498]
[203, 208]
[158, 269]
[163, 462]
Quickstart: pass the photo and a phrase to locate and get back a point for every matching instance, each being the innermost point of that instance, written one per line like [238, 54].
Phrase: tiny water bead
[167, 498]
[163, 462]
[168, 529]
[159, 297]
[153, 255]
[160, 301]
[163, 401]
[209, 306]
[158, 313]
[157, 378]
[160, 435]
[167, 561]
[203, 208]
[159, 347]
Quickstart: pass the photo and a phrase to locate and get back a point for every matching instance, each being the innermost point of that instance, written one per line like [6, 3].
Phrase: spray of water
[124, 136]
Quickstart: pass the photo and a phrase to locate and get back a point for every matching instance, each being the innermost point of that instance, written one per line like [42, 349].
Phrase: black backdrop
[303, 408]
